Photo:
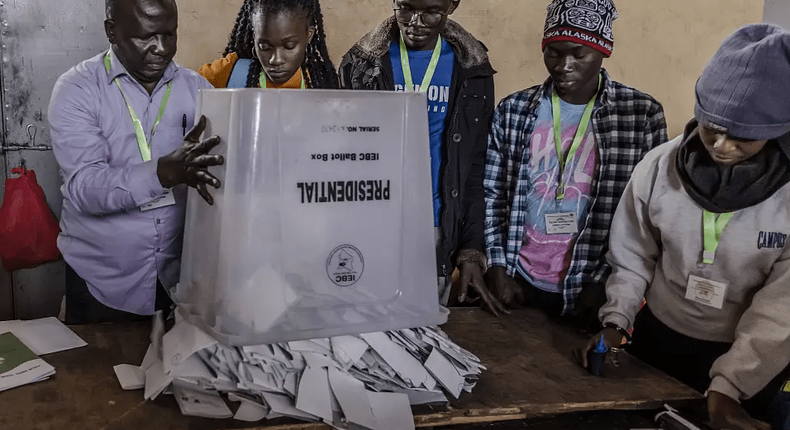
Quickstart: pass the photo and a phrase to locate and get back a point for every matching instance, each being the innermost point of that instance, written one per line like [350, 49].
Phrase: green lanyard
[142, 142]
[404, 63]
[577, 140]
[262, 80]
[712, 226]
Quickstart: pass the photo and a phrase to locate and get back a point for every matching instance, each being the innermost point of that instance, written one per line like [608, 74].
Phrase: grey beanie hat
[745, 88]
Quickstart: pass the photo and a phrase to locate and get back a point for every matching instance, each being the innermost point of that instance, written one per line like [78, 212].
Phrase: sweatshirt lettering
[773, 240]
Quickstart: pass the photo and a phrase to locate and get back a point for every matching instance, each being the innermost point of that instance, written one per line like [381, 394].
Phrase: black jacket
[367, 66]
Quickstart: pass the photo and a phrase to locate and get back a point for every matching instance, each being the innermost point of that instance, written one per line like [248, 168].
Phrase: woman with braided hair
[275, 44]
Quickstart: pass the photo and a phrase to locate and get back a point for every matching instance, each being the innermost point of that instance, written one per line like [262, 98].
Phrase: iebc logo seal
[345, 265]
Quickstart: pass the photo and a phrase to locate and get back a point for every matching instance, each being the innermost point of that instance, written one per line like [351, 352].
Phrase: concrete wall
[777, 12]
[660, 46]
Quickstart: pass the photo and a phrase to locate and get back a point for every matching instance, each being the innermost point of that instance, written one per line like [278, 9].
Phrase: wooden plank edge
[479, 416]
[492, 415]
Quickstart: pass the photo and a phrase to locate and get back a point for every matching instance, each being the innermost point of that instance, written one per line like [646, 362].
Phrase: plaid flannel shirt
[627, 124]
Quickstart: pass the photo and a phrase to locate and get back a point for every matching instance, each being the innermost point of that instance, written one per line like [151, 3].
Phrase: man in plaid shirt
[548, 215]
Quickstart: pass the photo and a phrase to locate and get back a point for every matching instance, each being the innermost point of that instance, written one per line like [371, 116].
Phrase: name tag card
[709, 293]
[166, 199]
[562, 223]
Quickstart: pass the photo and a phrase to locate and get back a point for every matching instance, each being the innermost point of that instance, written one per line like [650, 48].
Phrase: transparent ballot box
[324, 222]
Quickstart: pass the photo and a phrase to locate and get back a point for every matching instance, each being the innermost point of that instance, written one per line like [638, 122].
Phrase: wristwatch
[622, 331]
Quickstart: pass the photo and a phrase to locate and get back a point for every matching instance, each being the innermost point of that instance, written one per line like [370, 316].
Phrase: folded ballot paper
[367, 381]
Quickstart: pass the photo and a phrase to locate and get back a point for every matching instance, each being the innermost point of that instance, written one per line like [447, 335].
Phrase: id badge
[709, 293]
[166, 199]
[561, 223]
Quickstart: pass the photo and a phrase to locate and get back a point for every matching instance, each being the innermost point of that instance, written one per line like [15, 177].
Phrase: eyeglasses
[405, 15]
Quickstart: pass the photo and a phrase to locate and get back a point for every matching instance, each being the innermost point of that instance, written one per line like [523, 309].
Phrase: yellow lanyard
[577, 140]
[262, 80]
[712, 227]
[404, 63]
[142, 141]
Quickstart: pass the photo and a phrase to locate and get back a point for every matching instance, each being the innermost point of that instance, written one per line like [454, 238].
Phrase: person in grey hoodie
[700, 233]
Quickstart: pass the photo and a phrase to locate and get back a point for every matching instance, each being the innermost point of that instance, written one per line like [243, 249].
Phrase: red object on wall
[28, 228]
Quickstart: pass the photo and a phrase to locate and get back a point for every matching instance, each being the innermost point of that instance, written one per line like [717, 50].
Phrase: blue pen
[596, 358]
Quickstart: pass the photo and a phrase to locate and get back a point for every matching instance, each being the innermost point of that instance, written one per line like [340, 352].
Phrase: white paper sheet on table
[318, 360]
[353, 399]
[309, 346]
[156, 380]
[313, 394]
[262, 380]
[392, 411]
[352, 347]
[424, 397]
[149, 359]
[407, 366]
[194, 370]
[284, 405]
[249, 409]
[181, 342]
[250, 412]
[43, 336]
[130, 377]
[200, 403]
[445, 372]
[5, 326]
[289, 385]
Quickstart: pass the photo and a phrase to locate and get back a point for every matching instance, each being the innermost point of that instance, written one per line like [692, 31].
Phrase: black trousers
[534, 297]
[689, 360]
[83, 308]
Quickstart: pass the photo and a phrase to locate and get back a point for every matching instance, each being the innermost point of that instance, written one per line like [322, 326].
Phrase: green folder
[13, 352]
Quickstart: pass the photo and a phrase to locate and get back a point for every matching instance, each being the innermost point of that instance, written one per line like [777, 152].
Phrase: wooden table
[531, 372]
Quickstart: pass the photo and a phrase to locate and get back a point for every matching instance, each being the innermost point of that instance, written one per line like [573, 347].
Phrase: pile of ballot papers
[367, 380]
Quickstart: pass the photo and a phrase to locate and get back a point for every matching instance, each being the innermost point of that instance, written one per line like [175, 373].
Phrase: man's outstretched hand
[190, 162]
[472, 275]
[504, 288]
